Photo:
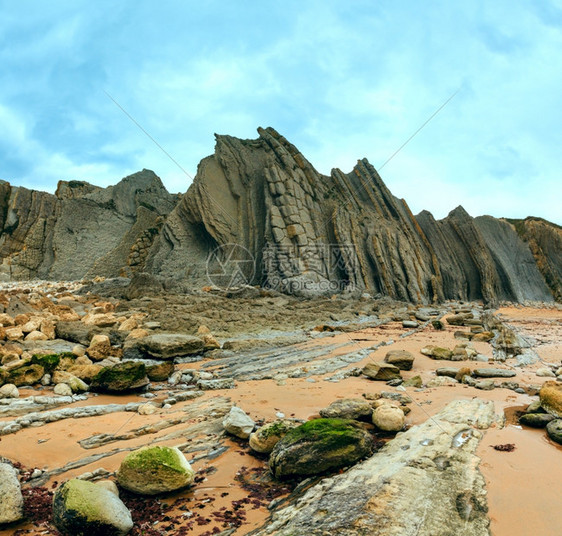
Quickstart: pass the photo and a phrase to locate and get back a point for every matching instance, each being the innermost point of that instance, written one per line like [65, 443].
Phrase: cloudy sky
[341, 79]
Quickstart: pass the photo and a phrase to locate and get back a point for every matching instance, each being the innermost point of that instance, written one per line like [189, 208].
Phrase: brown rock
[550, 397]
[400, 358]
[100, 347]
[381, 371]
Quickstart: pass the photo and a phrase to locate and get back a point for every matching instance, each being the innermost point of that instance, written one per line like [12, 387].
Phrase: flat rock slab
[422, 483]
[170, 345]
[493, 373]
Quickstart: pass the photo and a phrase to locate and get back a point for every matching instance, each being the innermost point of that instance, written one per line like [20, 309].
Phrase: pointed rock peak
[425, 214]
[459, 213]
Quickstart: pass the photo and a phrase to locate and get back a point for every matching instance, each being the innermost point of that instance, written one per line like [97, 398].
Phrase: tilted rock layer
[294, 229]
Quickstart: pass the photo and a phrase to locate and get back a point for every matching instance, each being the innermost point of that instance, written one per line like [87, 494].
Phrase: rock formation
[81, 230]
[258, 213]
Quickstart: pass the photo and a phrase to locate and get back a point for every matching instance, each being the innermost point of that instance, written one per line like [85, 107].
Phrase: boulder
[26, 375]
[458, 319]
[265, 438]
[99, 348]
[554, 430]
[9, 390]
[348, 408]
[126, 376]
[238, 423]
[83, 508]
[437, 352]
[550, 397]
[75, 384]
[36, 336]
[545, 372]
[11, 499]
[388, 418]
[170, 345]
[536, 420]
[400, 358]
[381, 371]
[318, 446]
[160, 372]
[153, 470]
[62, 389]
[493, 373]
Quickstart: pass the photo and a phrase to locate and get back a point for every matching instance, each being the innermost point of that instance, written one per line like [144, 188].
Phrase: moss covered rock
[318, 446]
[26, 375]
[536, 420]
[127, 376]
[81, 508]
[153, 470]
[265, 438]
[48, 361]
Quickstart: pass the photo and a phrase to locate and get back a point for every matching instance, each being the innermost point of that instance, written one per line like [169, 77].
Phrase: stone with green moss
[318, 446]
[126, 376]
[265, 438]
[48, 361]
[26, 375]
[81, 508]
[153, 470]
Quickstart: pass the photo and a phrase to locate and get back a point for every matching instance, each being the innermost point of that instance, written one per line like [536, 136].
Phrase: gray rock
[219, 383]
[410, 324]
[11, 499]
[493, 373]
[238, 423]
[554, 430]
[82, 507]
[451, 372]
[545, 372]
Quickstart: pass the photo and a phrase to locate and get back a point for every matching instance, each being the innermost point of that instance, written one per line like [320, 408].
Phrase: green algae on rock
[153, 470]
[318, 446]
[82, 508]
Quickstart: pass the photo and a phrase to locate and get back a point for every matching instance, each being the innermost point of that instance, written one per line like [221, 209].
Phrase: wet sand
[523, 485]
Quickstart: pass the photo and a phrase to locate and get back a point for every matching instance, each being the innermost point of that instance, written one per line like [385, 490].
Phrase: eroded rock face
[81, 229]
[423, 480]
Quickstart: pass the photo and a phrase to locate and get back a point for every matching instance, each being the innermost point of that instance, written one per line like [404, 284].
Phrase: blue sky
[342, 80]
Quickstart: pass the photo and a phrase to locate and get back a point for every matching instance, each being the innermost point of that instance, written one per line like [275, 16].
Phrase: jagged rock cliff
[260, 205]
[310, 233]
[545, 241]
[81, 230]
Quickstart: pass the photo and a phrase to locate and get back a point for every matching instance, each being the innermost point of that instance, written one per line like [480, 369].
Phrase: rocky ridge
[292, 228]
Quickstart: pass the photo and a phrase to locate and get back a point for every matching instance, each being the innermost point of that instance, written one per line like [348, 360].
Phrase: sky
[342, 80]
